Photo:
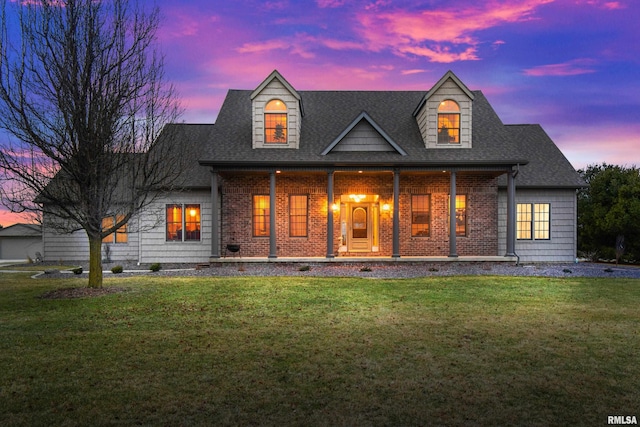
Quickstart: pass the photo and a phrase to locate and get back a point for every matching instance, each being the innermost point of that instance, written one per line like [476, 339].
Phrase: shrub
[117, 269]
[77, 270]
[365, 269]
[155, 267]
[304, 268]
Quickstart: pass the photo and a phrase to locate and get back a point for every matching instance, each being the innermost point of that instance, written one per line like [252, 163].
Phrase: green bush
[77, 270]
[117, 269]
[155, 267]
[304, 268]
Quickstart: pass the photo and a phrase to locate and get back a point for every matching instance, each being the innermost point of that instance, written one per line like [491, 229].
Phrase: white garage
[20, 242]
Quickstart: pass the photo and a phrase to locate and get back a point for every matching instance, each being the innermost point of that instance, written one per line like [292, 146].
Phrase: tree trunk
[95, 262]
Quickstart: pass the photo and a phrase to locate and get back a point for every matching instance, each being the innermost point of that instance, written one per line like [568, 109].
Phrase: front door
[360, 227]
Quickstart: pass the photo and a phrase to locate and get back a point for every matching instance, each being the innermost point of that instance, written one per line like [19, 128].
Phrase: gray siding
[75, 246]
[146, 237]
[276, 90]
[562, 245]
[153, 244]
[363, 137]
[427, 118]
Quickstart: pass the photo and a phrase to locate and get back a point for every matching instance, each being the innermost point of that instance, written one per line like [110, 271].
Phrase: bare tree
[84, 100]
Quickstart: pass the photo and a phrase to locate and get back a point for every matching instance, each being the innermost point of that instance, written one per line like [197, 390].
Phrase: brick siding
[482, 213]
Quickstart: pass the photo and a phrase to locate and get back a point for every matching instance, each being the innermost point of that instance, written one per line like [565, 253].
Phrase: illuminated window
[533, 221]
[275, 122]
[298, 215]
[120, 236]
[448, 122]
[261, 213]
[420, 215]
[192, 222]
[541, 221]
[523, 221]
[461, 214]
[183, 217]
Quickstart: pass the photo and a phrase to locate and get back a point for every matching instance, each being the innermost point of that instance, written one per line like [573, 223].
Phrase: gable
[363, 135]
[448, 88]
[276, 88]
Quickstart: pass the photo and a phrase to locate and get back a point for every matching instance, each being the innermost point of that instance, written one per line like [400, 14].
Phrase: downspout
[515, 174]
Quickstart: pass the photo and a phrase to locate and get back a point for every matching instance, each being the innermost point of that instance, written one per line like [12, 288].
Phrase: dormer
[277, 113]
[444, 115]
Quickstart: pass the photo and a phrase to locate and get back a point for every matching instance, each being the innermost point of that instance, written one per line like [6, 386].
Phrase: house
[286, 174]
[20, 242]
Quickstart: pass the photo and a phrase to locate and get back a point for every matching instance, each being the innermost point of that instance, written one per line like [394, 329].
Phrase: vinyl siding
[146, 238]
[363, 137]
[154, 246]
[562, 245]
[428, 116]
[75, 246]
[276, 90]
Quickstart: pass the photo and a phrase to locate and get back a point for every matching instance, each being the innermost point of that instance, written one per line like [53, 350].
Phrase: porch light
[357, 197]
[335, 207]
[386, 207]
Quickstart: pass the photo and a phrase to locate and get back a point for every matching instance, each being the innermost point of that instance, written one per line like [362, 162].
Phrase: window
[461, 215]
[275, 122]
[261, 214]
[298, 215]
[533, 221]
[192, 222]
[420, 215]
[183, 217]
[523, 221]
[120, 236]
[448, 122]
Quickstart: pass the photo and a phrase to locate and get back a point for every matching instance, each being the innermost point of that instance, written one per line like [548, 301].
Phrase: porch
[362, 260]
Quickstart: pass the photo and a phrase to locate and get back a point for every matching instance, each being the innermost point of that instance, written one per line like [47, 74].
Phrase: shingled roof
[328, 113]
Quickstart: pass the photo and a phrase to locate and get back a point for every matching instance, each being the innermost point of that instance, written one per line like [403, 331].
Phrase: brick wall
[482, 204]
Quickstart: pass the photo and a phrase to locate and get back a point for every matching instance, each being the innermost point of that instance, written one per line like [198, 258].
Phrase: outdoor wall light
[335, 207]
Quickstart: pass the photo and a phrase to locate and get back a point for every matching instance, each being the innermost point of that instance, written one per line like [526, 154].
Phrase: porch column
[511, 214]
[272, 215]
[453, 253]
[215, 218]
[396, 214]
[330, 196]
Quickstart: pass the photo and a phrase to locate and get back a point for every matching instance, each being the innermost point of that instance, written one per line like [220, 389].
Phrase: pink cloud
[441, 54]
[588, 145]
[8, 218]
[570, 68]
[297, 45]
[414, 71]
[407, 32]
[330, 3]
[603, 4]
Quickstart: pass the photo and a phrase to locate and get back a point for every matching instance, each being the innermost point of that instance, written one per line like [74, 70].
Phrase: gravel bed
[375, 270]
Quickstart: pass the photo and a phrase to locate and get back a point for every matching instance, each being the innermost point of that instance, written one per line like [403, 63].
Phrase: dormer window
[448, 122]
[275, 122]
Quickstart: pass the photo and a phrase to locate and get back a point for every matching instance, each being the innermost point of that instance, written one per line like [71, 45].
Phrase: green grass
[316, 351]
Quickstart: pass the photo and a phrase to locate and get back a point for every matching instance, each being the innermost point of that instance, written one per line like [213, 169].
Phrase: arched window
[275, 122]
[448, 122]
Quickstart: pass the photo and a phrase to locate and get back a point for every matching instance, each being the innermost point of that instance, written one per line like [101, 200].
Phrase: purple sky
[571, 65]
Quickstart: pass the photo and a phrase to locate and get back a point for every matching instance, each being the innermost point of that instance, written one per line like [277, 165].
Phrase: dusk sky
[572, 66]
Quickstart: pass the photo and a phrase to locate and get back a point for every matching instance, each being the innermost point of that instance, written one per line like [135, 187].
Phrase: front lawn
[315, 351]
